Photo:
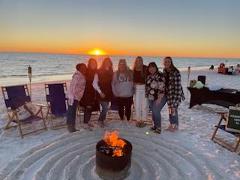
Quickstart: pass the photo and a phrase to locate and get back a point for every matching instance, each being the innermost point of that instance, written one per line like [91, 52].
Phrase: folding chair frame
[228, 146]
[14, 117]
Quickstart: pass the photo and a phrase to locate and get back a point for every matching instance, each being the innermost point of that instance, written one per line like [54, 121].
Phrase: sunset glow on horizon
[148, 28]
[97, 52]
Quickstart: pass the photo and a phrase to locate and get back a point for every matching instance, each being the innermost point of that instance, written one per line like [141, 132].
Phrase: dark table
[222, 97]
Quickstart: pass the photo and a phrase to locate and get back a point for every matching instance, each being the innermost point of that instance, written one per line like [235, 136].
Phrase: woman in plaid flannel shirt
[174, 91]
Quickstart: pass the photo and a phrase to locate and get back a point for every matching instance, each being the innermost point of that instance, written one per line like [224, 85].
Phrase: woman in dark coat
[89, 100]
[103, 85]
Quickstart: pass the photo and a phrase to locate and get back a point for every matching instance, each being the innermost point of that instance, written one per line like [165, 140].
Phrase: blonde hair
[138, 61]
[127, 71]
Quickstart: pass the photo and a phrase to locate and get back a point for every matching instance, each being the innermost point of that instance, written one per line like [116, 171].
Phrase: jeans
[124, 107]
[71, 113]
[156, 111]
[174, 118]
[103, 113]
[150, 104]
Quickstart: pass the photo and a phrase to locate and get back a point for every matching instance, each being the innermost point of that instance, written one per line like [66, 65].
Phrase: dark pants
[71, 114]
[87, 114]
[103, 113]
[124, 107]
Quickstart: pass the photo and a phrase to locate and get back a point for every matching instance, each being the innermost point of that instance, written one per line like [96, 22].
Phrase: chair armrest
[224, 115]
[222, 112]
[40, 104]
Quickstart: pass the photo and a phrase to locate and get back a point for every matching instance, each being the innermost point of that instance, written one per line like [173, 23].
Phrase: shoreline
[11, 81]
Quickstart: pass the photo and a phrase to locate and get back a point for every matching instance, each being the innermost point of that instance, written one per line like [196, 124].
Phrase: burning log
[114, 145]
[113, 156]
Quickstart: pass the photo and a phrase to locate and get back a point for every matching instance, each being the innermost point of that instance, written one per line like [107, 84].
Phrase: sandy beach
[186, 154]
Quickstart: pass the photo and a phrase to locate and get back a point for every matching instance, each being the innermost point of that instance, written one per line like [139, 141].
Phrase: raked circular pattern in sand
[73, 157]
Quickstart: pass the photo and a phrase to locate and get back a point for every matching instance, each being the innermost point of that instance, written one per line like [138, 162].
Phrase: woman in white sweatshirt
[75, 93]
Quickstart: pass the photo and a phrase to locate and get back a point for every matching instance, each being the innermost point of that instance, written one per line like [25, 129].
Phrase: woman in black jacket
[174, 91]
[103, 85]
[89, 100]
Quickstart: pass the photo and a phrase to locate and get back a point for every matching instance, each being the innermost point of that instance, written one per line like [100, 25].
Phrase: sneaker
[153, 128]
[90, 124]
[140, 124]
[101, 124]
[87, 127]
[158, 130]
[174, 128]
[71, 129]
[169, 128]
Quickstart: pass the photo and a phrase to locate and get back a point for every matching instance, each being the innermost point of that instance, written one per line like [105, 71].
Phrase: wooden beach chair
[57, 103]
[229, 123]
[17, 101]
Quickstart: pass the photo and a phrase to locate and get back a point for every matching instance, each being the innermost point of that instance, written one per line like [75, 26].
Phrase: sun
[96, 52]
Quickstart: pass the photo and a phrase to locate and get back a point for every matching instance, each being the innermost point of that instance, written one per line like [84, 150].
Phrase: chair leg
[7, 125]
[20, 129]
[51, 121]
[237, 144]
[10, 119]
[215, 132]
[44, 122]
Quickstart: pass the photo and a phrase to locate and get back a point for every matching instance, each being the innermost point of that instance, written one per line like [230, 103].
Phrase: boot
[71, 128]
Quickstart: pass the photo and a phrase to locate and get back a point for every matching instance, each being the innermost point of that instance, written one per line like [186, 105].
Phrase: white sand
[186, 154]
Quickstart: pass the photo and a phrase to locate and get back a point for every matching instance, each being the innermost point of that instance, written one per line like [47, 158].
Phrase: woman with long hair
[89, 100]
[103, 85]
[139, 78]
[174, 92]
[75, 94]
[122, 87]
[155, 93]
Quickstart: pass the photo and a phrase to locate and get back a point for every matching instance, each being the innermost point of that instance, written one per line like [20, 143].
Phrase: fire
[112, 139]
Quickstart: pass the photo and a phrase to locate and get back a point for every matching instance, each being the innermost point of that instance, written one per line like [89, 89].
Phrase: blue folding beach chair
[17, 98]
[57, 101]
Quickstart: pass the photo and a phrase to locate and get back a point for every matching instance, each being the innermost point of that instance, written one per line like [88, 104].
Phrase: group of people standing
[92, 87]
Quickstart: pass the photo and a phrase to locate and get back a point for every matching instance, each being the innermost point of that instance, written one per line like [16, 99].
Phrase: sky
[182, 28]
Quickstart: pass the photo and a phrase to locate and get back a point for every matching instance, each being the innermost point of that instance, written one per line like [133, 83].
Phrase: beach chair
[57, 102]
[229, 123]
[17, 99]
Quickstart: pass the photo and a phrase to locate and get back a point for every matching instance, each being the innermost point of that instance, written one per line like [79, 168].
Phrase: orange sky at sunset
[178, 48]
[63, 48]
[193, 29]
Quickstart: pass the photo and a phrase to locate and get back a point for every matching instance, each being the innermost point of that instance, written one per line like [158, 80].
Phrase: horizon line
[85, 54]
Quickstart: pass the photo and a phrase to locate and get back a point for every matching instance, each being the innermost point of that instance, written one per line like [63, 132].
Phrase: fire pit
[113, 156]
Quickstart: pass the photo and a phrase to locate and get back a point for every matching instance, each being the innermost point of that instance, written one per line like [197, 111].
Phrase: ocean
[53, 67]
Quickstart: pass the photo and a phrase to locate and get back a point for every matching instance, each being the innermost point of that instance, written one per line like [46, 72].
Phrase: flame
[113, 140]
